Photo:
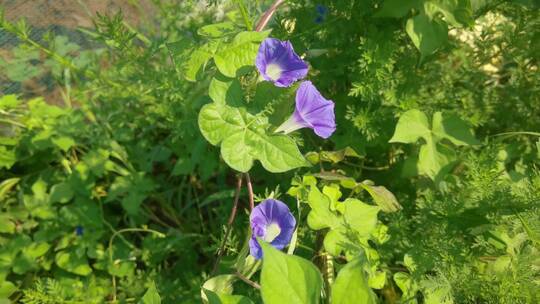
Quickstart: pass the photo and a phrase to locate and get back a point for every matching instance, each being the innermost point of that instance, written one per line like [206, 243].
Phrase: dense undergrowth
[428, 191]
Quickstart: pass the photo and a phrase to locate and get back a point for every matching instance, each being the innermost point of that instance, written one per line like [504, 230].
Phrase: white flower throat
[272, 232]
[273, 71]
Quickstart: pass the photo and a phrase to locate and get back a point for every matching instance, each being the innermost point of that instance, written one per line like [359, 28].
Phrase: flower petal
[277, 62]
[314, 110]
[271, 212]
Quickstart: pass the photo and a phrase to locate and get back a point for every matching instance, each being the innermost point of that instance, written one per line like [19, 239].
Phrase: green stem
[245, 15]
[517, 133]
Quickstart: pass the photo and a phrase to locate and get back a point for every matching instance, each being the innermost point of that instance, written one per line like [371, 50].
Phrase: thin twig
[267, 15]
[229, 223]
[248, 281]
[250, 191]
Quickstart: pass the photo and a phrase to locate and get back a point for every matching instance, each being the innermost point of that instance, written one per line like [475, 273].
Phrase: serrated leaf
[427, 34]
[243, 139]
[351, 286]
[288, 279]
[412, 125]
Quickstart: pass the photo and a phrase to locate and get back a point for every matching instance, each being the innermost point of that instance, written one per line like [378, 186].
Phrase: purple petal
[270, 212]
[314, 110]
[277, 62]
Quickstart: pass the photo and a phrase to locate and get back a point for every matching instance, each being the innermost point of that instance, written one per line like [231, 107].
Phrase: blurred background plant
[109, 191]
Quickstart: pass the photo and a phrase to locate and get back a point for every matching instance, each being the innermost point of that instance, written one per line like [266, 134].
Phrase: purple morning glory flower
[312, 111]
[277, 62]
[272, 222]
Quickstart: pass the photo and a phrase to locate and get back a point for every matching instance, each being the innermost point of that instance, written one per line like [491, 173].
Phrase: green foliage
[433, 156]
[118, 187]
[243, 139]
[287, 278]
[351, 285]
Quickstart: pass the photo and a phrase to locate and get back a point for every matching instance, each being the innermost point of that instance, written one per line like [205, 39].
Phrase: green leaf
[224, 90]
[217, 30]
[243, 139]
[351, 286]
[8, 102]
[151, 296]
[72, 262]
[335, 241]
[182, 166]
[454, 129]
[221, 284]
[321, 216]
[6, 224]
[61, 193]
[456, 12]
[397, 8]
[6, 289]
[194, 65]
[408, 287]
[223, 298]
[360, 217]
[288, 279]
[6, 186]
[432, 158]
[63, 142]
[427, 34]
[383, 197]
[241, 52]
[7, 158]
[412, 125]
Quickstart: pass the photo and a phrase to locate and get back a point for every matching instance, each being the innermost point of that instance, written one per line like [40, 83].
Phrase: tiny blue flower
[322, 12]
[79, 230]
[273, 222]
[277, 62]
[312, 111]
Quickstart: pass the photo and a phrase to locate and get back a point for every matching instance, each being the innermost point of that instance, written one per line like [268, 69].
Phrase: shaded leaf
[427, 34]
[288, 279]
[351, 286]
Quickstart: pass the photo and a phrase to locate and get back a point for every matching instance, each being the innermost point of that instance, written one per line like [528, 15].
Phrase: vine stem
[250, 191]
[268, 15]
[248, 281]
[260, 26]
[232, 216]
